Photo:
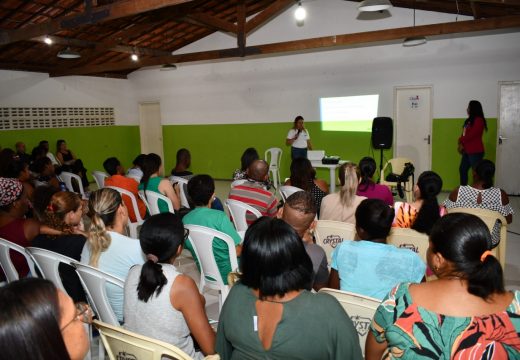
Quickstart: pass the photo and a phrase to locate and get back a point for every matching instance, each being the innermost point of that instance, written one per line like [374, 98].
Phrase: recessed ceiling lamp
[374, 5]
[134, 57]
[300, 14]
[68, 54]
[47, 40]
[414, 40]
[168, 67]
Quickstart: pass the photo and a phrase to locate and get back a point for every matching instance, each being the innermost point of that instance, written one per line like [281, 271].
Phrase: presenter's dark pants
[468, 161]
[297, 153]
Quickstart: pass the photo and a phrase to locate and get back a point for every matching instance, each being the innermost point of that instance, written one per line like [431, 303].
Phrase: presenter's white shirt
[301, 141]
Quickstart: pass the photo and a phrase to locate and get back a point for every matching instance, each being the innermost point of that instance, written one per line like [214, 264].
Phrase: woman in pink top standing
[470, 143]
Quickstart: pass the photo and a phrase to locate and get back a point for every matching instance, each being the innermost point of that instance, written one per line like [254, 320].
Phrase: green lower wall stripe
[216, 149]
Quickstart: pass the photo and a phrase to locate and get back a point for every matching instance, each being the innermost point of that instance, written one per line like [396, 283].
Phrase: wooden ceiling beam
[269, 13]
[113, 11]
[241, 27]
[211, 21]
[320, 43]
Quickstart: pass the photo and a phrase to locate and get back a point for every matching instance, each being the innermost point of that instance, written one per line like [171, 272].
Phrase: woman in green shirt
[270, 312]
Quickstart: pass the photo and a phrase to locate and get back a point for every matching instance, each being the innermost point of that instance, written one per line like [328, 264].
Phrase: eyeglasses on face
[83, 313]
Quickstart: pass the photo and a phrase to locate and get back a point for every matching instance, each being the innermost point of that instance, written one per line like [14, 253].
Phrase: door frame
[149, 102]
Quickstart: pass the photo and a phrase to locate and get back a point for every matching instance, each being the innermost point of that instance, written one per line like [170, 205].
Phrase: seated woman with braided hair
[160, 302]
[108, 248]
[465, 314]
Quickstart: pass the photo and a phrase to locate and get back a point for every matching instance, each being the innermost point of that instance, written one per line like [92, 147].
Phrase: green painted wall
[216, 149]
[445, 158]
[91, 144]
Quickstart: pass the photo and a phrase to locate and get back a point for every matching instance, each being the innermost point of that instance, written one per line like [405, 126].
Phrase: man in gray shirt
[299, 211]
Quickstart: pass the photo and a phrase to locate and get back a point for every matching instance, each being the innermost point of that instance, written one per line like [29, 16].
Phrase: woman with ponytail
[64, 235]
[367, 187]
[108, 248]
[153, 181]
[342, 206]
[465, 314]
[160, 302]
[425, 210]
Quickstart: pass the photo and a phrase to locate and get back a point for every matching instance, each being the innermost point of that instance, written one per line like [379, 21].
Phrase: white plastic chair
[202, 238]
[152, 201]
[359, 308]
[132, 226]
[288, 190]
[67, 177]
[238, 211]
[491, 219]
[99, 177]
[397, 165]
[273, 157]
[329, 234]
[238, 182]
[6, 263]
[182, 185]
[409, 239]
[48, 263]
[94, 282]
[118, 341]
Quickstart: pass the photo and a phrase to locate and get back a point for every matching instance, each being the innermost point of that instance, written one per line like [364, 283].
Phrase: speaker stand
[380, 165]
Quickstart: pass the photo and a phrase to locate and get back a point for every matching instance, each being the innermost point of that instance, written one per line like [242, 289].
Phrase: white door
[508, 148]
[150, 128]
[412, 125]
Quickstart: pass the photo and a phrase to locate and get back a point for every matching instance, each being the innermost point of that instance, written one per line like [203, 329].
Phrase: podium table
[332, 171]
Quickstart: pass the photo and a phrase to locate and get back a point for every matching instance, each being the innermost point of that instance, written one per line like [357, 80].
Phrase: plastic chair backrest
[238, 182]
[410, 239]
[359, 308]
[94, 282]
[6, 263]
[48, 263]
[238, 211]
[67, 177]
[182, 185]
[329, 234]
[121, 343]
[397, 165]
[99, 177]
[288, 190]
[490, 218]
[132, 199]
[151, 199]
[202, 238]
[273, 156]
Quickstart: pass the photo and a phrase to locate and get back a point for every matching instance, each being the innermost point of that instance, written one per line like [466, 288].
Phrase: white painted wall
[18, 88]
[276, 89]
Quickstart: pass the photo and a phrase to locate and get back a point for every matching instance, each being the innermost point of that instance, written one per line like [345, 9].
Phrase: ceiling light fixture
[414, 40]
[68, 54]
[168, 67]
[134, 57]
[300, 14]
[47, 40]
[374, 5]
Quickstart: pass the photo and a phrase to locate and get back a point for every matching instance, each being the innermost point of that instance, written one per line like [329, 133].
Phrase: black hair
[42, 196]
[151, 164]
[485, 170]
[200, 189]
[274, 259]
[430, 185]
[30, 321]
[39, 164]
[302, 201]
[182, 154]
[38, 152]
[6, 157]
[58, 144]
[367, 167]
[462, 239]
[248, 157]
[296, 119]
[14, 168]
[474, 111]
[43, 142]
[139, 160]
[302, 173]
[110, 165]
[160, 235]
[375, 218]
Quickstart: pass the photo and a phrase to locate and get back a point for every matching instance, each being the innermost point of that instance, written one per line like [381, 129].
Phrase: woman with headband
[107, 247]
[465, 314]
[160, 302]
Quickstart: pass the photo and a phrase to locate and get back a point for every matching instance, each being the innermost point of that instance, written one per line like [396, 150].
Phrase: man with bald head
[254, 191]
[299, 211]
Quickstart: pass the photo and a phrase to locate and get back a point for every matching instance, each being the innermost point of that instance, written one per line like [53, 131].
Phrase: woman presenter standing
[299, 139]
[470, 143]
